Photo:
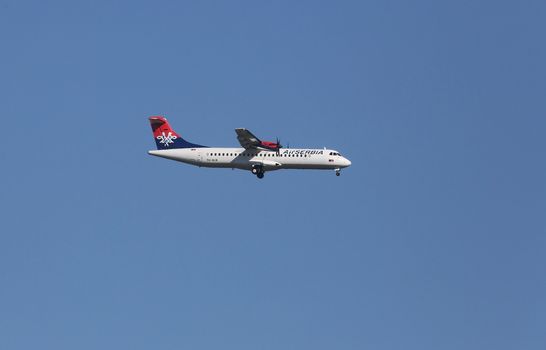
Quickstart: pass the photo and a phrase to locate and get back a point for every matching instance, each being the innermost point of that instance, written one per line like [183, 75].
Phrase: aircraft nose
[347, 162]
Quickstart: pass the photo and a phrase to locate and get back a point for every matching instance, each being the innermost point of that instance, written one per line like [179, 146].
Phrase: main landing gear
[258, 171]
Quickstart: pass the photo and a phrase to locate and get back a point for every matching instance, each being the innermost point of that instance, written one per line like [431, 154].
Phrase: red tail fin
[165, 137]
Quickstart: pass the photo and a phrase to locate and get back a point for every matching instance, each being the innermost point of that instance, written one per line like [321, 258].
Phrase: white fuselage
[240, 158]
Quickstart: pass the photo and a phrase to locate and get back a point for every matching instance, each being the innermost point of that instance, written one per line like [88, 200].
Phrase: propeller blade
[279, 146]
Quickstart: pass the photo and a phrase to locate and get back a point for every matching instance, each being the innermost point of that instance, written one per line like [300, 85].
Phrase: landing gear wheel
[260, 175]
[338, 173]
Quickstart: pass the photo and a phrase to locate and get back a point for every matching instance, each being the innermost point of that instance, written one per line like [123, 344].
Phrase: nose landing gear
[338, 172]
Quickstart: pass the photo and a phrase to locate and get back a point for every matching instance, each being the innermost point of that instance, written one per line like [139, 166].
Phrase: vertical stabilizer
[165, 137]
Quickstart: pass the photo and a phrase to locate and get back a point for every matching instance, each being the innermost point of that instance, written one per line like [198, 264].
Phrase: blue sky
[433, 239]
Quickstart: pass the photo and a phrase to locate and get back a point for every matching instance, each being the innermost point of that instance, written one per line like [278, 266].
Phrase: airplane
[255, 155]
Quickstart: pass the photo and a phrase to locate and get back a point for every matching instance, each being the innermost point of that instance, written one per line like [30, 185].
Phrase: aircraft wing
[247, 139]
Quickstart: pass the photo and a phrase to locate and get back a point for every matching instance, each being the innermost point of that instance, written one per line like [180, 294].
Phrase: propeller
[279, 146]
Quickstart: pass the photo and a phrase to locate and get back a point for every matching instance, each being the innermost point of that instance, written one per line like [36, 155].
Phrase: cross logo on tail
[166, 139]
